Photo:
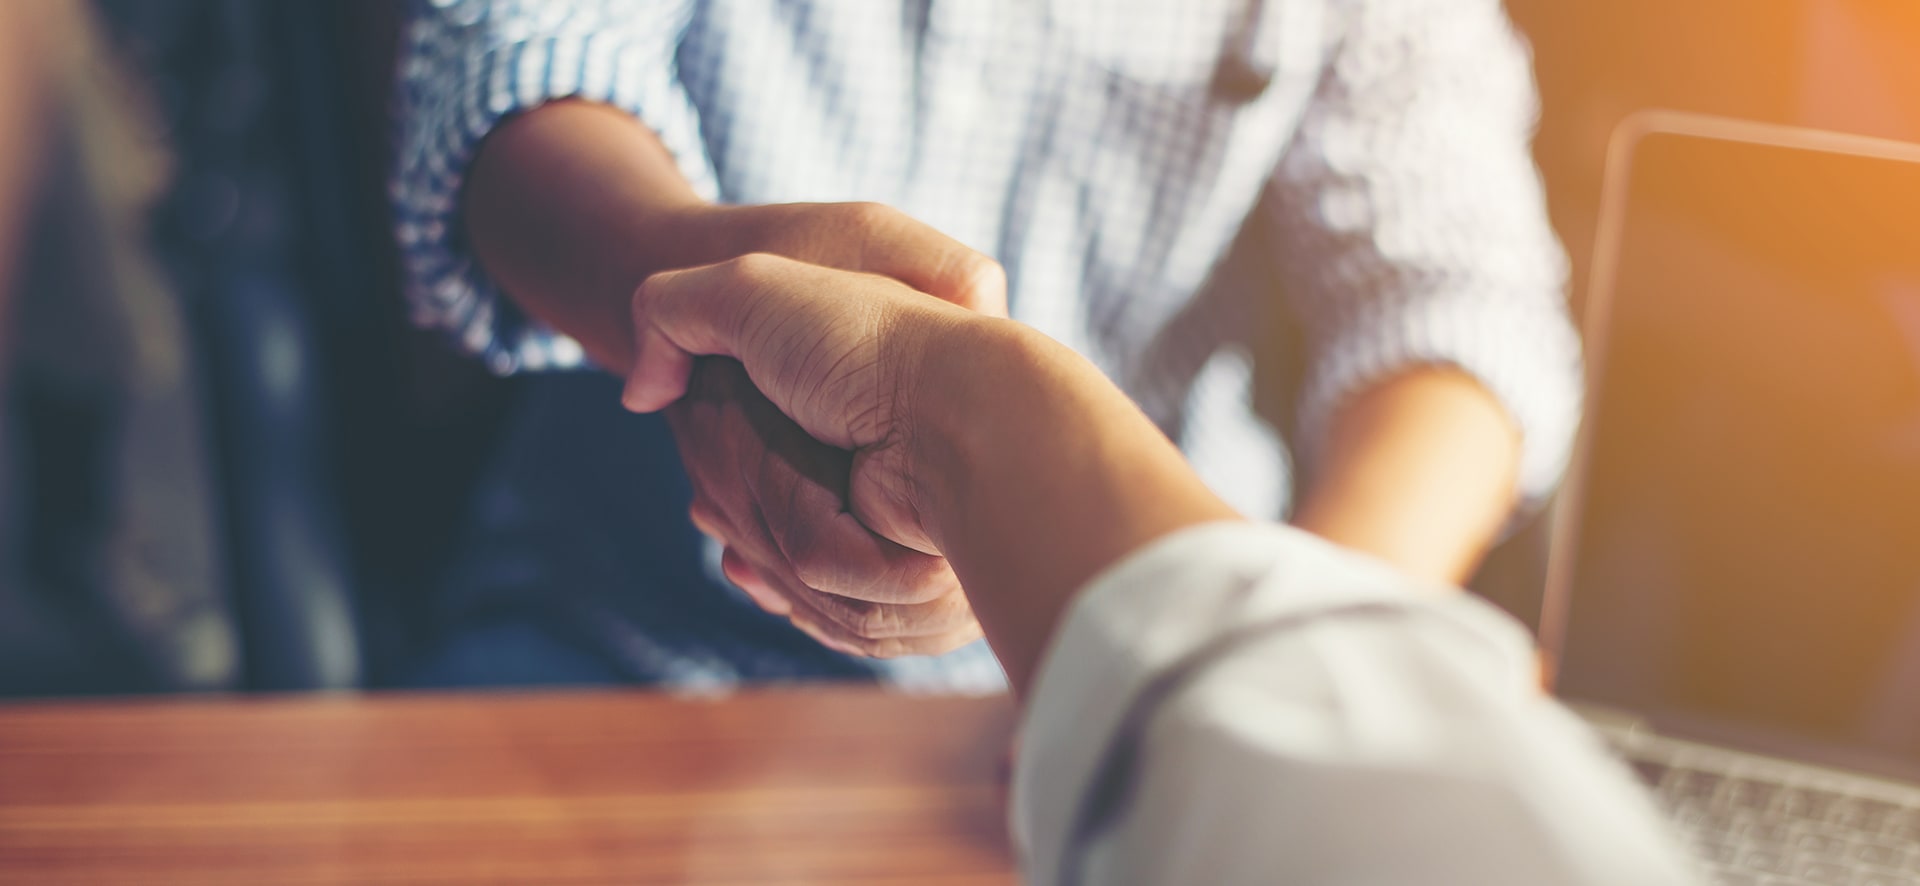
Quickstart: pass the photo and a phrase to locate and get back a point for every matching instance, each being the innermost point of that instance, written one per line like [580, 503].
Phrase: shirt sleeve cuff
[1526, 356]
[1159, 606]
[467, 65]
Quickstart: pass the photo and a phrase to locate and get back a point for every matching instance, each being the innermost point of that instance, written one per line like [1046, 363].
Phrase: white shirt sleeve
[1243, 703]
[1411, 225]
[466, 65]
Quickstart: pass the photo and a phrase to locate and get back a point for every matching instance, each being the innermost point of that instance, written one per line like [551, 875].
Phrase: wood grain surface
[781, 787]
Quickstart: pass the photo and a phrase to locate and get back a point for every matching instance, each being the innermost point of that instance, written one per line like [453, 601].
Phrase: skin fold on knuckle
[872, 622]
[822, 628]
[646, 296]
[860, 622]
[820, 574]
[745, 526]
[748, 286]
[833, 553]
[868, 569]
[868, 218]
[891, 243]
[983, 283]
[905, 622]
[834, 635]
[917, 578]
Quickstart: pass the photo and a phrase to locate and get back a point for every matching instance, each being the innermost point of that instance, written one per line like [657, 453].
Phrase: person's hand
[970, 436]
[570, 205]
[825, 347]
[775, 497]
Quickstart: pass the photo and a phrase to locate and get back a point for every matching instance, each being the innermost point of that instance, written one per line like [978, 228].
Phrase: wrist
[569, 207]
[1420, 471]
[684, 234]
[1031, 472]
[966, 403]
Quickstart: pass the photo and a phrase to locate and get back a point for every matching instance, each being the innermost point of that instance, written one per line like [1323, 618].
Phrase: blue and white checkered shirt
[1107, 152]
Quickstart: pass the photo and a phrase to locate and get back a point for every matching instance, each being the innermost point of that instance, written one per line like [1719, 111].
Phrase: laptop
[1734, 583]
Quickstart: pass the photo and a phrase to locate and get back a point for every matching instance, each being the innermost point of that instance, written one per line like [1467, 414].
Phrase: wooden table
[789, 787]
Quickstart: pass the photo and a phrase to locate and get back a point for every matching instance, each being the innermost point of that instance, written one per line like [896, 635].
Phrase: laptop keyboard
[1774, 829]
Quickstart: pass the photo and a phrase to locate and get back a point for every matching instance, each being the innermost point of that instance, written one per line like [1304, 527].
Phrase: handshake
[1280, 695]
[849, 435]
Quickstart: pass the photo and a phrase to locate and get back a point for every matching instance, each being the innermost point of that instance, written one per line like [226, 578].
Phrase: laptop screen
[1746, 556]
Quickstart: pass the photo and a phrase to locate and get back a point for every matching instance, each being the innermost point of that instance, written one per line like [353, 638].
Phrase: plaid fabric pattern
[1107, 152]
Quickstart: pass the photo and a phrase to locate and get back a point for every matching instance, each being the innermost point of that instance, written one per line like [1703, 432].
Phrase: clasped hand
[775, 497]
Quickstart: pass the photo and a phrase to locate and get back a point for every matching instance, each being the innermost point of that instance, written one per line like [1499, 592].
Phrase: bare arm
[1025, 527]
[1419, 470]
[569, 207]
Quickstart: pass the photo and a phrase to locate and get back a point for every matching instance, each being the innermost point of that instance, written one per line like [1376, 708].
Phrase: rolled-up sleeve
[1413, 228]
[1241, 703]
[466, 65]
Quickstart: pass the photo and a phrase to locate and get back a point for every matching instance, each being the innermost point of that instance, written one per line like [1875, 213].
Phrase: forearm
[1035, 474]
[569, 206]
[1418, 470]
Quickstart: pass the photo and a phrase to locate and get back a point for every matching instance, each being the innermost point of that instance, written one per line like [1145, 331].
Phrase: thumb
[972, 281]
[679, 315]
[807, 336]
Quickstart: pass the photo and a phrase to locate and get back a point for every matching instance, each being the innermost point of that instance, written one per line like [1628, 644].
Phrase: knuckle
[867, 215]
[802, 544]
[752, 268]
[982, 278]
[650, 287]
[888, 649]
[874, 622]
[923, 580]
[865, 622]
[815, 570]
[876, 649]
